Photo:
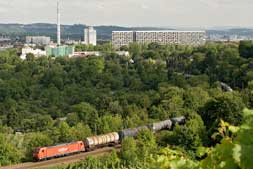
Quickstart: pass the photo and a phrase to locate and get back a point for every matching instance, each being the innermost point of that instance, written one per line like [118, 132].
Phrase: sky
[162, 13]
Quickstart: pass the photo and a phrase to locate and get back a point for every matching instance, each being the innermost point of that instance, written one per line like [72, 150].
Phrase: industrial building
[90, 36]
[59, 51]
[122, 38]
[38, 40]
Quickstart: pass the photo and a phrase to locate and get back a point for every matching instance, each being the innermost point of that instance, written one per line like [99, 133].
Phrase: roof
[62, 144]
[201, 31]
[122, 31]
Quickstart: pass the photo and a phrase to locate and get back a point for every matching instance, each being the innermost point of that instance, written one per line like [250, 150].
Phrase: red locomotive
[44, 153]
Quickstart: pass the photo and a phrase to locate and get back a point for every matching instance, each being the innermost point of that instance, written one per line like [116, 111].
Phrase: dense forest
[47, 100]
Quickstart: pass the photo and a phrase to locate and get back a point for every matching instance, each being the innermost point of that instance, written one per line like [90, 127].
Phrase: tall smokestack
[58, 23]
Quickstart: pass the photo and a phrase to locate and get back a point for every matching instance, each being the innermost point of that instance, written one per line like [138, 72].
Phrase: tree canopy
[53, 100]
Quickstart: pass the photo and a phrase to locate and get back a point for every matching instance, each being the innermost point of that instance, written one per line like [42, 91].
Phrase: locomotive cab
[39, 153]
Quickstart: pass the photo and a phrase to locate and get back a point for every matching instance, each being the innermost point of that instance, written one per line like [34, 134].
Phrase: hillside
[45, 101]
[68, 31]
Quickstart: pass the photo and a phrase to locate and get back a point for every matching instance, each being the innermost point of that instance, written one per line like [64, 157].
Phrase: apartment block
[122, 38]
[90, 36]
[38, 40]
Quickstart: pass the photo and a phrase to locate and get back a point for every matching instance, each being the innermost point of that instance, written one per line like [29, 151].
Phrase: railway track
[64, 160]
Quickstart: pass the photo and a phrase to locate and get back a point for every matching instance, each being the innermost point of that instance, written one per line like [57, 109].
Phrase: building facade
[60, 51]
[84, 54]
[36, 52]
[122, 38]
[38, 40]
[90, 36]
[5, 43]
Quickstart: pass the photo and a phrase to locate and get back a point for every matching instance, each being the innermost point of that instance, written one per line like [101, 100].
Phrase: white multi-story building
[121, 38]
[90, 36]
[38, 40]
[36, 52]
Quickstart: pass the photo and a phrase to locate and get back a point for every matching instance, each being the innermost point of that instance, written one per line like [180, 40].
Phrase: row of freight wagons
[95, 142]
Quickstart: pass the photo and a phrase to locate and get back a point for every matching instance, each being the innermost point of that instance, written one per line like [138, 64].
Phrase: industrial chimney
[58, 23]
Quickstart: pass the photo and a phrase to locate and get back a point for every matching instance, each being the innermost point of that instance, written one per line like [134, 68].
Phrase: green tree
[80, 132]
[227, 107]
[73, 119]
[87, 113]
[61, 133]
[129, 152]
[8, 153]
[34, 140]
[195, 98]
[236, 152]
[109, 123]
[146, 144]
[189, 136]
[135, 50]
[246, 49]
[172, 159]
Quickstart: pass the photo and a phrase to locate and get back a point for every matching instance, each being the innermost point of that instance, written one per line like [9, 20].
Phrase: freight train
[95, 142]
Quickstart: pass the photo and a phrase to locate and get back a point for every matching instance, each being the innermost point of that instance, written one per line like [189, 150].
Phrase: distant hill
[11, 29]
[103, 32]
[238, 31]
[68, 31]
